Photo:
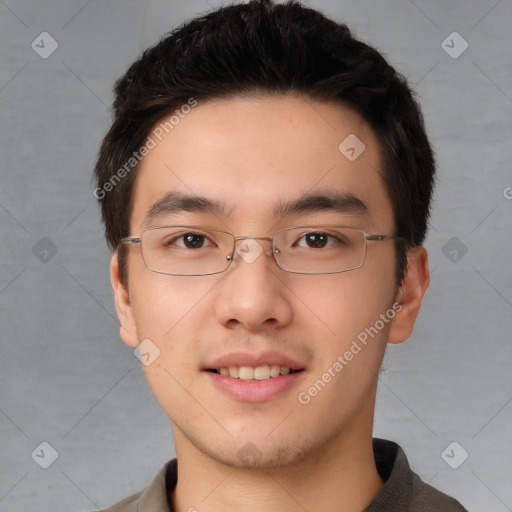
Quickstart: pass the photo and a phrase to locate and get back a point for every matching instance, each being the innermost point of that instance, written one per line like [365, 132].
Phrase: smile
[262, 372]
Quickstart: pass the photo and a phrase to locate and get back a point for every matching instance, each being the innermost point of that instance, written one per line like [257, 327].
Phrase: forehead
[252, 153]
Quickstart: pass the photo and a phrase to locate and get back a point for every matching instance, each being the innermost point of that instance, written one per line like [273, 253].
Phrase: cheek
[163, 305]
[168, 311]
[348, 303]
[174, 313]
[349, 356]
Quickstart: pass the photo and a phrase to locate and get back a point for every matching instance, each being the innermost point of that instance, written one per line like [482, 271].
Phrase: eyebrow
[177, 202]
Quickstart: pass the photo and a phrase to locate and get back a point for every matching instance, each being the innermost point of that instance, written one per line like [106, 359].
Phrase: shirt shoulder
[129, 504]
[155, 497]
[404, 490]
[427, 498]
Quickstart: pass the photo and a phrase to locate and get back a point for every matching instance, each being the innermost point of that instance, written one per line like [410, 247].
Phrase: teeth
[259, 373]
[262, 372]
[245, 373]
[275, 370]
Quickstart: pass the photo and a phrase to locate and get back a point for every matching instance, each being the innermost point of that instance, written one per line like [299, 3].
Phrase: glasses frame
[229, 257]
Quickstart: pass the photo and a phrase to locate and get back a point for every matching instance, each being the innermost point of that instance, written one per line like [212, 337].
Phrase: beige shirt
[403, 490]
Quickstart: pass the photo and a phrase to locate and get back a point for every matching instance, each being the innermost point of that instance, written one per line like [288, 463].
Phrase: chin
[248, 455]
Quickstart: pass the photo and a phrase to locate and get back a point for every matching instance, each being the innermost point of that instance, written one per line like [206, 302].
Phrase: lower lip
[254, 390]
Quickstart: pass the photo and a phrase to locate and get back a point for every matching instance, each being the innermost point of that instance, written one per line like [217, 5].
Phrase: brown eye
[316, 240]
[193, 240]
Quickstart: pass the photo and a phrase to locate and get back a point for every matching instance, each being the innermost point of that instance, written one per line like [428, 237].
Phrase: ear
[127, 330]
[410, 295]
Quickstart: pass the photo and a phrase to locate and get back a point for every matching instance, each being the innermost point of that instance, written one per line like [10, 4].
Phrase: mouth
[246, 377]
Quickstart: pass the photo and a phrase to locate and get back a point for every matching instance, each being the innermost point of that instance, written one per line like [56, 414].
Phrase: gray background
[65, 376]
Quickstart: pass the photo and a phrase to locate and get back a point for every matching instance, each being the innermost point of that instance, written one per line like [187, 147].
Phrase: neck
[341, 475]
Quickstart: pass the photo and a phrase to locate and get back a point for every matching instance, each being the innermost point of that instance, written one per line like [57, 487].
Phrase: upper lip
[271, 358]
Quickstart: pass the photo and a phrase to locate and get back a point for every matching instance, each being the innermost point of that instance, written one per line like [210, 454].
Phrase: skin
[251, 152]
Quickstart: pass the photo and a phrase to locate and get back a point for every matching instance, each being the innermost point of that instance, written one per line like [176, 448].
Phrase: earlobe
[127, 330]
[410, 295]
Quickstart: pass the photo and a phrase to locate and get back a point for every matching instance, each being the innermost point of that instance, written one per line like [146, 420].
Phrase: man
[266, 186]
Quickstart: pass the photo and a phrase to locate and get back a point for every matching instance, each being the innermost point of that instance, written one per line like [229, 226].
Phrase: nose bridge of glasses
[237, 239]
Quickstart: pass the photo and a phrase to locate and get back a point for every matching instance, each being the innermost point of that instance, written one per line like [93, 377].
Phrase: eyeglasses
[201, 251]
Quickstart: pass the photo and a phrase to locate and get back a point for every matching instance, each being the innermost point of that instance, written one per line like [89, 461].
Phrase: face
[251, 155]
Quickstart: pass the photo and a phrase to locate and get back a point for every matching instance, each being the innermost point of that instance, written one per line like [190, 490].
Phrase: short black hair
[271, 48]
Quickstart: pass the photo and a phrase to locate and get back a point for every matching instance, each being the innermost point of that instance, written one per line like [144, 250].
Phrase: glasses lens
[186, 250]
[320, 249]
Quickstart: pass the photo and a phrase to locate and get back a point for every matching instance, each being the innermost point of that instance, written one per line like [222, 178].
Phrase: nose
[252, 295]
